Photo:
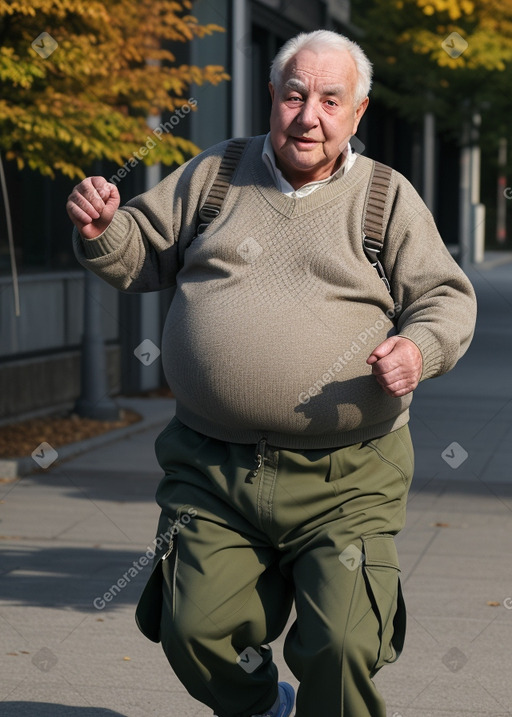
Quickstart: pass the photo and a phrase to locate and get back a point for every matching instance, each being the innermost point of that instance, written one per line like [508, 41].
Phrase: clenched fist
[397, 364]
[91, 206]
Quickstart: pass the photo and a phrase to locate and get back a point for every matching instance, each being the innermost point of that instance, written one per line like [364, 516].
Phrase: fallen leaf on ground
[20, 439]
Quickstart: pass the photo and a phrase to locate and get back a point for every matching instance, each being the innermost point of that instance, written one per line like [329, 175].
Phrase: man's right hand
[91, 206]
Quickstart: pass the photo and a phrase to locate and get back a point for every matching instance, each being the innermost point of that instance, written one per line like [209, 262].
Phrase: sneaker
[286, 701]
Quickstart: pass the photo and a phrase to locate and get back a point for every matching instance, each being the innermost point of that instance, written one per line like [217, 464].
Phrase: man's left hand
[397, 365]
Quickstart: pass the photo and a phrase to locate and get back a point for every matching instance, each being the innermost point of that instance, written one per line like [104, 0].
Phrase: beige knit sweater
[276, 307]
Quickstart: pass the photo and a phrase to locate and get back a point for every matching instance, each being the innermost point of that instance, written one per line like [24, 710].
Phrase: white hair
[320, 40]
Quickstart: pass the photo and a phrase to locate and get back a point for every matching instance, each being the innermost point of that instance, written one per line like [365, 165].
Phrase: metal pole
[10, 238]
[476, 122]
[429, 139]
[240, 57]
[477, 209]
[465, 200]
[501, 218]
[94, 401]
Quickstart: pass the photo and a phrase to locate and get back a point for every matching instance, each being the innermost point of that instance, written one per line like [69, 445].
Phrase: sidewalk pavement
[68, 533]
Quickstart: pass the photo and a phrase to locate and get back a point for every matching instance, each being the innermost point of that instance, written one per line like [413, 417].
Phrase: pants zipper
[259, 458]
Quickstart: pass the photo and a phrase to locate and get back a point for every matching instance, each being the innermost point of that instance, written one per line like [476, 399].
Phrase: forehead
[327, 67]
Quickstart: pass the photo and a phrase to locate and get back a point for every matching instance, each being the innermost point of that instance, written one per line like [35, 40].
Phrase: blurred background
[130, 90]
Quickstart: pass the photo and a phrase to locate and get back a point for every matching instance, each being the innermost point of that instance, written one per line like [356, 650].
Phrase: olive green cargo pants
[240, 544]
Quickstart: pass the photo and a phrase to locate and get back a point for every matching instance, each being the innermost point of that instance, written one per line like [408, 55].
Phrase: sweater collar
[269, 158]
[338, 185]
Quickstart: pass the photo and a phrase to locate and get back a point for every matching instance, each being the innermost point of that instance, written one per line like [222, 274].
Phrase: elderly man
[289, 460]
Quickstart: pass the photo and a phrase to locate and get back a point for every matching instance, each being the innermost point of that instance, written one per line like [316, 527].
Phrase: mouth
[305, 140]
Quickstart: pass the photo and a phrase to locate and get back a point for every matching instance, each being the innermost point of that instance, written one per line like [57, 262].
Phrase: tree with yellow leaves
[80, 78]
[449, 57]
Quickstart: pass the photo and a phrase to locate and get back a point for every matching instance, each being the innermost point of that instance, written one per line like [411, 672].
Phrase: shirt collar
[269, 159]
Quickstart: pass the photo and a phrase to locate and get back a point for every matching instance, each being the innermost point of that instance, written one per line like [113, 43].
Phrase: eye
[331, 103]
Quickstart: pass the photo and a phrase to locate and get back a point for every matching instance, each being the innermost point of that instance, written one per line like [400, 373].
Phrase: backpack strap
[213, 202]
[373, 220]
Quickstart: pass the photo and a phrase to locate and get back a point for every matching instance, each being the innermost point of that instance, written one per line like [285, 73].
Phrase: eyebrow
[295, 84]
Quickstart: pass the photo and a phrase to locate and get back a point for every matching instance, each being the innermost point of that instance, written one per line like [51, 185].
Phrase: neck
[298, 179]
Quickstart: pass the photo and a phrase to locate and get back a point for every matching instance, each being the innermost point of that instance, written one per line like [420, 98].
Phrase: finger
[109, 195]
[93, 196]
[381, 367]
[388, 365]
[391, 371]
[77, 215]
[398, 386]
[382, 350]
[396, 391]
[102, 187]
[84, 203]
[113, 198]
[395, 377]
[95, 190]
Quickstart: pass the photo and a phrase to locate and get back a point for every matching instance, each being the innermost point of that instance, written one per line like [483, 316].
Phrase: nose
[307, 116]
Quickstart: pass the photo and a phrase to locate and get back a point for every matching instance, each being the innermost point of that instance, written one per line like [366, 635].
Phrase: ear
[271, 90]
[359, 113]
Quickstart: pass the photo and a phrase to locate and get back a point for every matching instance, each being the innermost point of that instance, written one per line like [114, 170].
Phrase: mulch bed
[21, 438]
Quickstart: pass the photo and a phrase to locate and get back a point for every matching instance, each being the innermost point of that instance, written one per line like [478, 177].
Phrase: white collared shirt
[269, 159]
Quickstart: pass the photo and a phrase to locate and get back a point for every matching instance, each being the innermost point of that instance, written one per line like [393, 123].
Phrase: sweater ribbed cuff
[110, 240]
[431, 349]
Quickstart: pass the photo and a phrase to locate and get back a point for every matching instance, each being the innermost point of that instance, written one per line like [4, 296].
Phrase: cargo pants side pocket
[381, 574]
[148, 613]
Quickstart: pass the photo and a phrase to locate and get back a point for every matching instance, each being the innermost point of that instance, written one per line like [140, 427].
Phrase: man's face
[313, 114]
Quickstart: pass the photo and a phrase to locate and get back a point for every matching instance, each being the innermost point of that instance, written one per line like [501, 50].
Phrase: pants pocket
[395, 450]
[148, 613]
[381, 573]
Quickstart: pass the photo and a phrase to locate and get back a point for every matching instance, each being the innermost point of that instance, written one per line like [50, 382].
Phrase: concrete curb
[154, 411]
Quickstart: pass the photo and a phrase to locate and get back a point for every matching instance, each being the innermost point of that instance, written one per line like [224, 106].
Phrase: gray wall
[40, 349]
[51, 313]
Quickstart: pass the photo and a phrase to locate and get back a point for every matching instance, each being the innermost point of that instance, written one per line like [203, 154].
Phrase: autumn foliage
[486, 25]
[450, 57]
[109, 66]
